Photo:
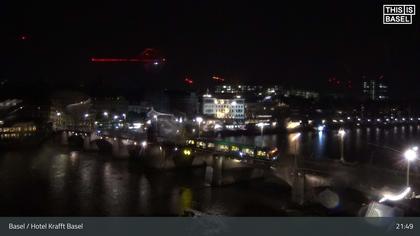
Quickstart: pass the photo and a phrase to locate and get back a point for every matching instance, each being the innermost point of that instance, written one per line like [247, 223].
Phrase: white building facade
[226, 109]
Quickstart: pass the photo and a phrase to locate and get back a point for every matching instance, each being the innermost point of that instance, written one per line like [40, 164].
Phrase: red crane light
[218, 78]
[188, 81]
[148, 56]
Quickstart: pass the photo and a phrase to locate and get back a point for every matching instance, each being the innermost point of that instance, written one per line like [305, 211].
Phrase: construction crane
[149, 56]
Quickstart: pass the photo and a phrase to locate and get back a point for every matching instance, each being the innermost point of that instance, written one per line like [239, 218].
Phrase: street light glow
[410, 154]
[342, 132]
[321, 128]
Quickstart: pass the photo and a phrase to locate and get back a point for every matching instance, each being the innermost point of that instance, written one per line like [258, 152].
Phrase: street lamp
[342, 133]
[199, 120]
[105, 114]
[410, 155]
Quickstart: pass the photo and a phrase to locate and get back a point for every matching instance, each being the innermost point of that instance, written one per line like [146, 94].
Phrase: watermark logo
[399, 14]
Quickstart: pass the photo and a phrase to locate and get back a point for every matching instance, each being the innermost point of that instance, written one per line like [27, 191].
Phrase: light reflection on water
[326, 144]
[59, 181]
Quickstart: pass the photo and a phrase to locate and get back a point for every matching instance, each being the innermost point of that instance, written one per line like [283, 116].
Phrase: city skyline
[241, 42]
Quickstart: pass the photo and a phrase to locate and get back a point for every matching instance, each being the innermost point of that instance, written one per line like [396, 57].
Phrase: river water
[55, 180]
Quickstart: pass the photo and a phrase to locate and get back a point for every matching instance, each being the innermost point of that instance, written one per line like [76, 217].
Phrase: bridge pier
[87, 143]
[64, 139]
[223, 170]
[298, 187]
[214, 172]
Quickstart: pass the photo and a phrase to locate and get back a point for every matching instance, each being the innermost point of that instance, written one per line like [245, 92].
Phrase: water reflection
[357, 143]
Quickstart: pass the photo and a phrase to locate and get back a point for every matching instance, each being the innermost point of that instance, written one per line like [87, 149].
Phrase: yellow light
[187, 152]
[292, 125]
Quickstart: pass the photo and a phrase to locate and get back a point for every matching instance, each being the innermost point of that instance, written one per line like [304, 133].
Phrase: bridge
[227, 163]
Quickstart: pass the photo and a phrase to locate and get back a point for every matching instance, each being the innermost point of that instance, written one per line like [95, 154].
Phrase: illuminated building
[18, 130]
[9, 103]
[375, 90]
[233, 89]
[221, 108]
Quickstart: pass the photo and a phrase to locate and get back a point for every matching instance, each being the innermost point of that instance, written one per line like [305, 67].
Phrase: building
[306, 94]
[110, 104]
[235, 89]
[224, 108]
[177, 102]
[375, 90]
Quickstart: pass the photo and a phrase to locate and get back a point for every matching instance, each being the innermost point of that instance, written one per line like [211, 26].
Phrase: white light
[105, 113]
[261, 124]
[137, 125]
[58, 113]
[296, 136]
[397, 197]
[415, 148]
[155, 63]
[410, 155]
[321, 128]
[323, 121]
[86, 115]
[199, 120]
[149, 122]
[115, 117]
[342, 132]
[144, 144]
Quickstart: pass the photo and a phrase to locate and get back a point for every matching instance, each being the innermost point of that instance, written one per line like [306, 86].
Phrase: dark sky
[300, 44]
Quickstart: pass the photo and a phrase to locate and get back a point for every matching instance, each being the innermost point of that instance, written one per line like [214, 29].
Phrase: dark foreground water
[60, 181]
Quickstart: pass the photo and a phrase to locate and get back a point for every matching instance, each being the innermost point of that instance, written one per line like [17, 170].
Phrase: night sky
[258, 42]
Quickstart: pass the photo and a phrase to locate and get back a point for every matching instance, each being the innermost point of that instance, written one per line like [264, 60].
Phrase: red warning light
[188, 81]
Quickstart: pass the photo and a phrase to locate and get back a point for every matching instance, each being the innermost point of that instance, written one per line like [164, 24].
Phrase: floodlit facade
[221, 108]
